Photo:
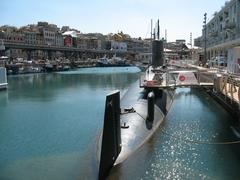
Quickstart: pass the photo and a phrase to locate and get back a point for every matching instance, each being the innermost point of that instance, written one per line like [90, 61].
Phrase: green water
[49, 124]
[48, 121]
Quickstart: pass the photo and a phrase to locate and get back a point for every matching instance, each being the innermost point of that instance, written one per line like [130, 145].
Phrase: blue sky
[179, 17]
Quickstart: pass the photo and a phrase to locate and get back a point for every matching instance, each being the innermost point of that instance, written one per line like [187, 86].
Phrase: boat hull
[111, 65]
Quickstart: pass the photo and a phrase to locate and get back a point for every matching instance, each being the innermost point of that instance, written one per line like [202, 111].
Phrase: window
[220, 18]
[226, 35]
[234, 9]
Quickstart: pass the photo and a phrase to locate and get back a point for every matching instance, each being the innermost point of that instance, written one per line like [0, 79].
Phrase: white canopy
[70, 33]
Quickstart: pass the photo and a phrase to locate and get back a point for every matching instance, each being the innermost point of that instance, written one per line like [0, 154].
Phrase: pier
[224, 87]
[226, 91]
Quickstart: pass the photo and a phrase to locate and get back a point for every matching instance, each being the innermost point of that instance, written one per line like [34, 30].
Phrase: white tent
[70, 33]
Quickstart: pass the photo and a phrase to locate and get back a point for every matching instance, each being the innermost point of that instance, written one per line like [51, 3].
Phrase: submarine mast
[157, 49]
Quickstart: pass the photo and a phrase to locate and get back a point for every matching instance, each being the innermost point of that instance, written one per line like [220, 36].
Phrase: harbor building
[59, 39]
[197, 42]
[223, 35]
[119, 46]
[30, 37]
[49, 37]
[50, 42]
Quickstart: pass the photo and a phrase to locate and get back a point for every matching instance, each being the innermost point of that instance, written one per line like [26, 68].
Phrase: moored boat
[3, 78]
[113, 62]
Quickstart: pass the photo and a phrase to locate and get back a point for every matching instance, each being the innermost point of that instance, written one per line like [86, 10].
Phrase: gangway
[160, 78]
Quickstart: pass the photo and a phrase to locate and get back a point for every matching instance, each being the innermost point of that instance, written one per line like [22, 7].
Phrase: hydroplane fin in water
[111, 135]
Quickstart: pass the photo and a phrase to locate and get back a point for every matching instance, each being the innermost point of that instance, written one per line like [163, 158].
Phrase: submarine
[130, 121]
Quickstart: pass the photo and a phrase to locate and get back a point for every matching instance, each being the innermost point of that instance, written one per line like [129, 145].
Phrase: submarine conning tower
[157, 53]
[157, 48]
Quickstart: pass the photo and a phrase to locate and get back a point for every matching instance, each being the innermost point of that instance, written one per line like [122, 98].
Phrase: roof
[189, 46]
[70, 33]
[3, 57]
[167, 50]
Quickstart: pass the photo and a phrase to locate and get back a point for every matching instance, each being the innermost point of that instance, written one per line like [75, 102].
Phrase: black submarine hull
[138, 129]
[123, 135]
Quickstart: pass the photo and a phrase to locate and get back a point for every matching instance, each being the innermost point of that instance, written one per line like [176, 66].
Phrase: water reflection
[3, 97]
[182, 149]
[47, 86]
[49, 123]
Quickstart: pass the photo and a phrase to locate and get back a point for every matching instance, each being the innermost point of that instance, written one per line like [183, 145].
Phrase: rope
[201, 142]
[131, 110]
[140, 116]
[128, 110]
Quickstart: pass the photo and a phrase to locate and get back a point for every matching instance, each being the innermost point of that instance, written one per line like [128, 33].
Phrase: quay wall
[226, 91]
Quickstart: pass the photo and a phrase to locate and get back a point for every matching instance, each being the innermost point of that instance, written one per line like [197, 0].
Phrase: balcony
[213, 34]
[229, 25]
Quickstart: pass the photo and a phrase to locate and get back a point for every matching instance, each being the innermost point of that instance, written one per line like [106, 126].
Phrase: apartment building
[88, 43]
[59, 39]
[49, 37]
[224, 28]
[15, 37]
[30, 37]
[223, 33]
[119, 46]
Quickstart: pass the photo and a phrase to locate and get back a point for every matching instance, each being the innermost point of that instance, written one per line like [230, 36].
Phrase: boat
[117, 61]
[66, 68]
[49, 67]
[113, 62]
[3, 72]
[130, 121]
[3, 78]
[103, 62]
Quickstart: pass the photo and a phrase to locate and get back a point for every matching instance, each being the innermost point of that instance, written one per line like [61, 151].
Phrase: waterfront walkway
[228, 85]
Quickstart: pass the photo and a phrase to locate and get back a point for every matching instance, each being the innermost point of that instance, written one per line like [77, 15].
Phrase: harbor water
[50, 123]
[196, 141]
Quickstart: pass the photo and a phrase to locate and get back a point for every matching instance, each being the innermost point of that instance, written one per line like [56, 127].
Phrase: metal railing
[229, 86]
[176, 78]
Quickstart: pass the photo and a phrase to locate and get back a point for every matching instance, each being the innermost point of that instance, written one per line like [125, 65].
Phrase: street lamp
[205, 38]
